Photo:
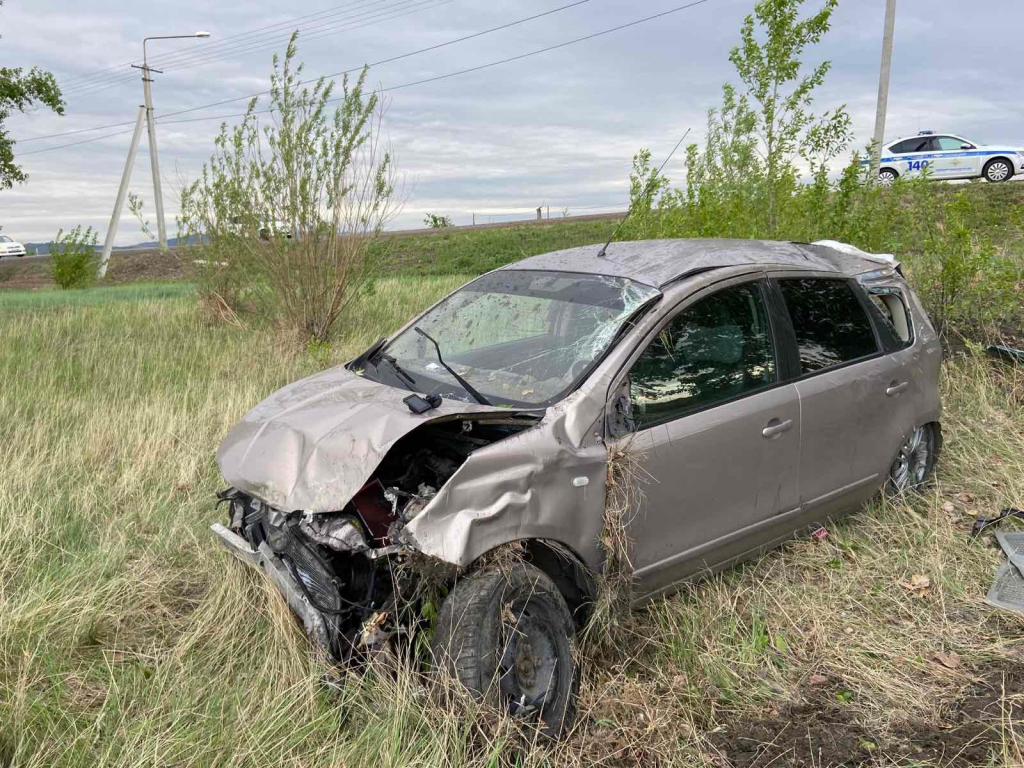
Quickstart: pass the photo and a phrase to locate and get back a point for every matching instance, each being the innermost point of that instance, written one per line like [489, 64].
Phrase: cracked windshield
[517, 337]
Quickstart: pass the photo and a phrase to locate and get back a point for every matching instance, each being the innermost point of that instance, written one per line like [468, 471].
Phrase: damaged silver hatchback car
[763, 386]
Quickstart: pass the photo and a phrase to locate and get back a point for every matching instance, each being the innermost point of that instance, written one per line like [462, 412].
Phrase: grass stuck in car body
[127, 634]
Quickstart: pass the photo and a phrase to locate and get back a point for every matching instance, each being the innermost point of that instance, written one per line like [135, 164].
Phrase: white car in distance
[9, 247]
[947, 156]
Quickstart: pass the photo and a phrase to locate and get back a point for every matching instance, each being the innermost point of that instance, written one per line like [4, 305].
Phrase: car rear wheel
[505, 635]
[998, 170]
[914, 463]
[887, 177]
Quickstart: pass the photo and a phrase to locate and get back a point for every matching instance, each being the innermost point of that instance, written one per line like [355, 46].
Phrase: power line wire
[411, 7]
[548, 49]
[417, 82]
[232, 40]
[224, 40]
[476, 68]
[200, 57]
[201, 54]
[173, 58]
[389, 60]
[74, 143]
[333, 74]
[72, 133]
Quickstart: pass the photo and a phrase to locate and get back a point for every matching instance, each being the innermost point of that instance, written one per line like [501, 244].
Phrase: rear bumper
[269, 563]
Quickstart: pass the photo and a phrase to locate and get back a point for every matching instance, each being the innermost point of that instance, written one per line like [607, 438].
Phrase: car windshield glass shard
[519, 337]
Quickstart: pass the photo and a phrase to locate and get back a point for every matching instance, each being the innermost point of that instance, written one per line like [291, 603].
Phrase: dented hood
[313, 444]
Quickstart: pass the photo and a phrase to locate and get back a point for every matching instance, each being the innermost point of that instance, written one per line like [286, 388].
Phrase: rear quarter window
[829, 322]
[893, 318]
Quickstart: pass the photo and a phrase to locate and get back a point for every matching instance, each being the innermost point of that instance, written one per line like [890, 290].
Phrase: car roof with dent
[658, 262]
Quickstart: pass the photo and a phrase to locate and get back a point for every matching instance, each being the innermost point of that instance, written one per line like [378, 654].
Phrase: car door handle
[894, 389]
[776, 427]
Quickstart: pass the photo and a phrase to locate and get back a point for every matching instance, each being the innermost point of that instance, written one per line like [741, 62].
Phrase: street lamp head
[202, 34]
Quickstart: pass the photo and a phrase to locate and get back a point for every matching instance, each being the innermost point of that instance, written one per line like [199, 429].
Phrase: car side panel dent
[518, 489]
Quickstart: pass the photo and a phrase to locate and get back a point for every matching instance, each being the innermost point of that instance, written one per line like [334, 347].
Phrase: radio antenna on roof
[654, 178]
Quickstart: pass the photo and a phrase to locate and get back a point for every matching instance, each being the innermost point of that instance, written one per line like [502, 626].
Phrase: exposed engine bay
[346, 573]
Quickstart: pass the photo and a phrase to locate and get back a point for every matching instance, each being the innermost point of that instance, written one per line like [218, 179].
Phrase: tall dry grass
[128, 637]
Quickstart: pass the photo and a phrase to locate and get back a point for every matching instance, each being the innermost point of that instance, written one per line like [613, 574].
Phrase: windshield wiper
[400, 372]
[465, 384]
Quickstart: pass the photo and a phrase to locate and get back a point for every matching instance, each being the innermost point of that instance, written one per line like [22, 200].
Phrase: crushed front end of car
[352, 575]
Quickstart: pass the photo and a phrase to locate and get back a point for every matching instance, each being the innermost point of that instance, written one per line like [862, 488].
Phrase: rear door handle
[894, 389]
[776, 427]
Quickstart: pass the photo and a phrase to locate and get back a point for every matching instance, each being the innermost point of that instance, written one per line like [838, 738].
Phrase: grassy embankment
[459, 251]
[127, 636]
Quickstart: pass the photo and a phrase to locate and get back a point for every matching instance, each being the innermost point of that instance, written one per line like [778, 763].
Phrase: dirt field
[125, 267]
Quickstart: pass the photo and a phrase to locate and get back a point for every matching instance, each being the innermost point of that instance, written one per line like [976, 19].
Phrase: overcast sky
[558, 129]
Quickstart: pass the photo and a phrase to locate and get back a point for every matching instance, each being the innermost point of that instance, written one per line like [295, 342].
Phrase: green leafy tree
[769, 66]
[749, 164]
[435, 221]
[290, 210]
[19, 91]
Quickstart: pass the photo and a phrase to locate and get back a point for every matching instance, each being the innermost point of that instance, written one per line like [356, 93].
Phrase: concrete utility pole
[154, 160]
[145, 110]
[883, 89]
[122, 192]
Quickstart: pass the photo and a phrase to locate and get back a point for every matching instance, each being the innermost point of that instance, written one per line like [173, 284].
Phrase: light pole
[883, 90]
[145, 110]
[154, 161]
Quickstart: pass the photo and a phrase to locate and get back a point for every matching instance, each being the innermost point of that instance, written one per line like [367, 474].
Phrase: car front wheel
[505, 634]
[887, 177]
[998, 170]
[914, 463]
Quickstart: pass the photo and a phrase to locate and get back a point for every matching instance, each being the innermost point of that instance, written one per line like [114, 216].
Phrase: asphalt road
[23, 259]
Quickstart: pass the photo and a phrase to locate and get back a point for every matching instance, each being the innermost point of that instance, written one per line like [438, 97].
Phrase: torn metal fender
[313, 444]
[518, 489]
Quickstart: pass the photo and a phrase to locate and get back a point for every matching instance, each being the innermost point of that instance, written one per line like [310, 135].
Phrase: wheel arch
[559, 562]
[1008, 159]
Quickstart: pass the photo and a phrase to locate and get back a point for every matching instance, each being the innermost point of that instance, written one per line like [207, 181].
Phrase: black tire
[501, 633]
[999, 168]
[906, 473]
[887, 177]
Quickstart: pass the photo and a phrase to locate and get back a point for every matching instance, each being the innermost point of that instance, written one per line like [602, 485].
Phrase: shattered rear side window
[520, 337]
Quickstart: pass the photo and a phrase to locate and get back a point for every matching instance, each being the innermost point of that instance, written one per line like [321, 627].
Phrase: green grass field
[128, 637]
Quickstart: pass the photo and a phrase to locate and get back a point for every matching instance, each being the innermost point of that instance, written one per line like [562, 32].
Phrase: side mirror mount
[620, 414]
[966, 146]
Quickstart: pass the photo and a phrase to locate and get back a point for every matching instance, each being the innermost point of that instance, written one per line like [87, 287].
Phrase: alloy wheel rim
[886, 179]
[997, 171]
[911, 465]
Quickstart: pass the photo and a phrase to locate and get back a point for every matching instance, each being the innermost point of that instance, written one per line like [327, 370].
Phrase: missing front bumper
[269, 563]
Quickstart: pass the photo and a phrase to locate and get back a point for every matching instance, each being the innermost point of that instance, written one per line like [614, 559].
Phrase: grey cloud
[559, 128]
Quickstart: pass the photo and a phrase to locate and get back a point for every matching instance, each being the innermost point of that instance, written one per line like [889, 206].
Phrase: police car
[945, 156]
